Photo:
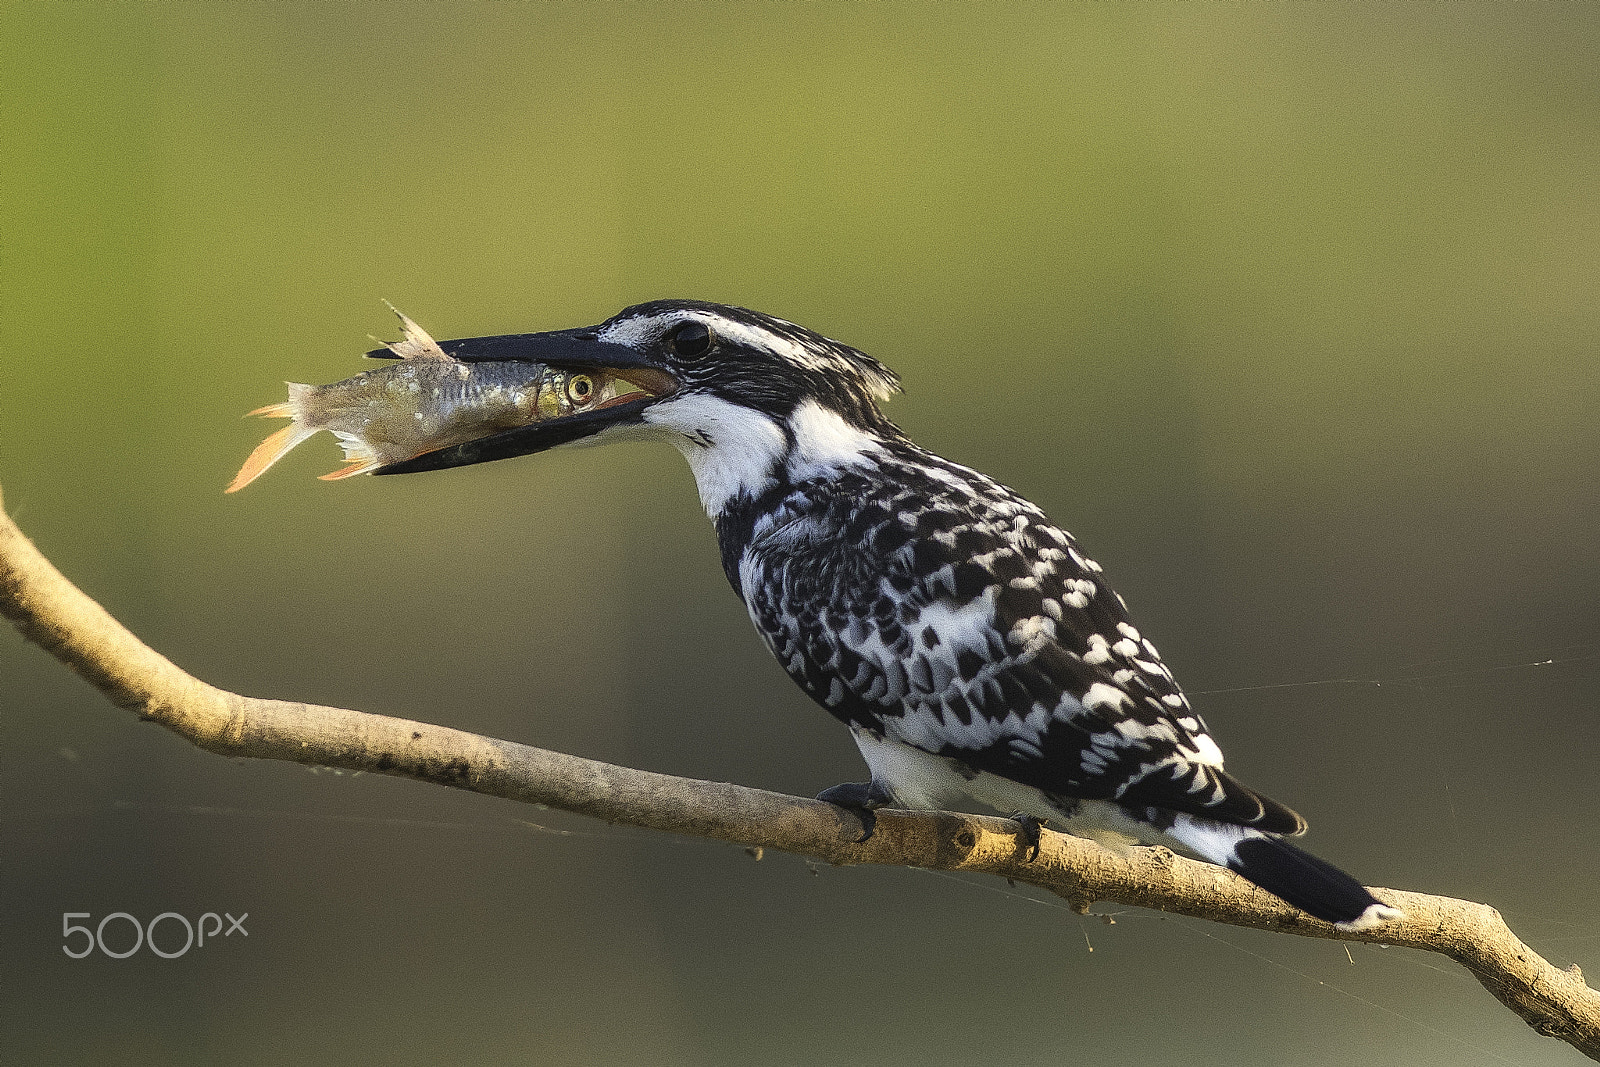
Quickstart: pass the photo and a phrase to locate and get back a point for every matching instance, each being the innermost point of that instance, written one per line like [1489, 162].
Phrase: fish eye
[689, 339]
[580, 389]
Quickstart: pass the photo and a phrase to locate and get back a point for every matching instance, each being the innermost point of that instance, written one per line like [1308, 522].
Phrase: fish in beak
[445, 404]
[573, 352]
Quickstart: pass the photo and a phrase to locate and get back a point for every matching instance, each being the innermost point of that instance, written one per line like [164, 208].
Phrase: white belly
[920, 780]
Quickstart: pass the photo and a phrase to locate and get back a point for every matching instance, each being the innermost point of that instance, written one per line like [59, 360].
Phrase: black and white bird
[974, 650]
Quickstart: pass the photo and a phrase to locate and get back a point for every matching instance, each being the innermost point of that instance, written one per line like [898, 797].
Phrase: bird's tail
[1310, 884]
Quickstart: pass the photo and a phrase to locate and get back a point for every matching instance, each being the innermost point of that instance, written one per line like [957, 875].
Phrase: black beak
[577, 349]
[563, 348]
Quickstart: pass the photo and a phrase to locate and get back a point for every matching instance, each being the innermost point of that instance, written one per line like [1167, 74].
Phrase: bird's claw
[869, 823]
[861, 799]
[1028, 832]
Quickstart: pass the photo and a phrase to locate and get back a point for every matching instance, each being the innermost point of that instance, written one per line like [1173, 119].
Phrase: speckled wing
[952, 616]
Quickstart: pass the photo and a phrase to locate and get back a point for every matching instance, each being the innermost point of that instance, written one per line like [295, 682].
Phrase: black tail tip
[1310, 884]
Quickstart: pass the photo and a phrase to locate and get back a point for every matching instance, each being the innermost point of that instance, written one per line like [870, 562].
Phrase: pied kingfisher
[971, 646]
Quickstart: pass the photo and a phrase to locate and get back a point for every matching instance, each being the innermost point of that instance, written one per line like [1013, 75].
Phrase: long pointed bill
[562, 348]
[579, 349]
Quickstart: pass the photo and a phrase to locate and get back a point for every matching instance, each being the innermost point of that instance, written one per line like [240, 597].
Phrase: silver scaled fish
[426, 401]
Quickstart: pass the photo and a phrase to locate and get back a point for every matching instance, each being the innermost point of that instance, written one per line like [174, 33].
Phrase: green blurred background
[1289, 312]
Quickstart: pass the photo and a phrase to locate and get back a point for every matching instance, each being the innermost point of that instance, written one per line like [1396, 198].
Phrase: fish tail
[269, 452]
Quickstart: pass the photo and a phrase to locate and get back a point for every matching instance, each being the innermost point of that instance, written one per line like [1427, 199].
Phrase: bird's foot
[861, 799]
[1028, 827]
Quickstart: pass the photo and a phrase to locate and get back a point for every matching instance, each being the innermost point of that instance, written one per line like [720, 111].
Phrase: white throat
[736, 451]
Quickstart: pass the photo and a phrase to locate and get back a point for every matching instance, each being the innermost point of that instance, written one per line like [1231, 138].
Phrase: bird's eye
[580, 388]
[689, 339]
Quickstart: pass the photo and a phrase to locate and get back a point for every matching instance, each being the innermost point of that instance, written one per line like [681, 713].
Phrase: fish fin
[415, 342]
[357, 466]
[267, 453]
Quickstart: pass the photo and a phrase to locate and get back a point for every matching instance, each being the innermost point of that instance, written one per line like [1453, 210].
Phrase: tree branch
[53, 613]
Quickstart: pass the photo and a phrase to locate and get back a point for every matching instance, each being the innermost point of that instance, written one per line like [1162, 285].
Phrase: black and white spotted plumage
[973, 648]
[924, 603]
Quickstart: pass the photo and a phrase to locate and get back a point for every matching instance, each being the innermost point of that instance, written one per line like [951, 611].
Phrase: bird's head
[748, 398]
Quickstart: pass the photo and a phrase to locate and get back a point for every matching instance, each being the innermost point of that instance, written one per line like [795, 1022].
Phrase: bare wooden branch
[53, 613]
